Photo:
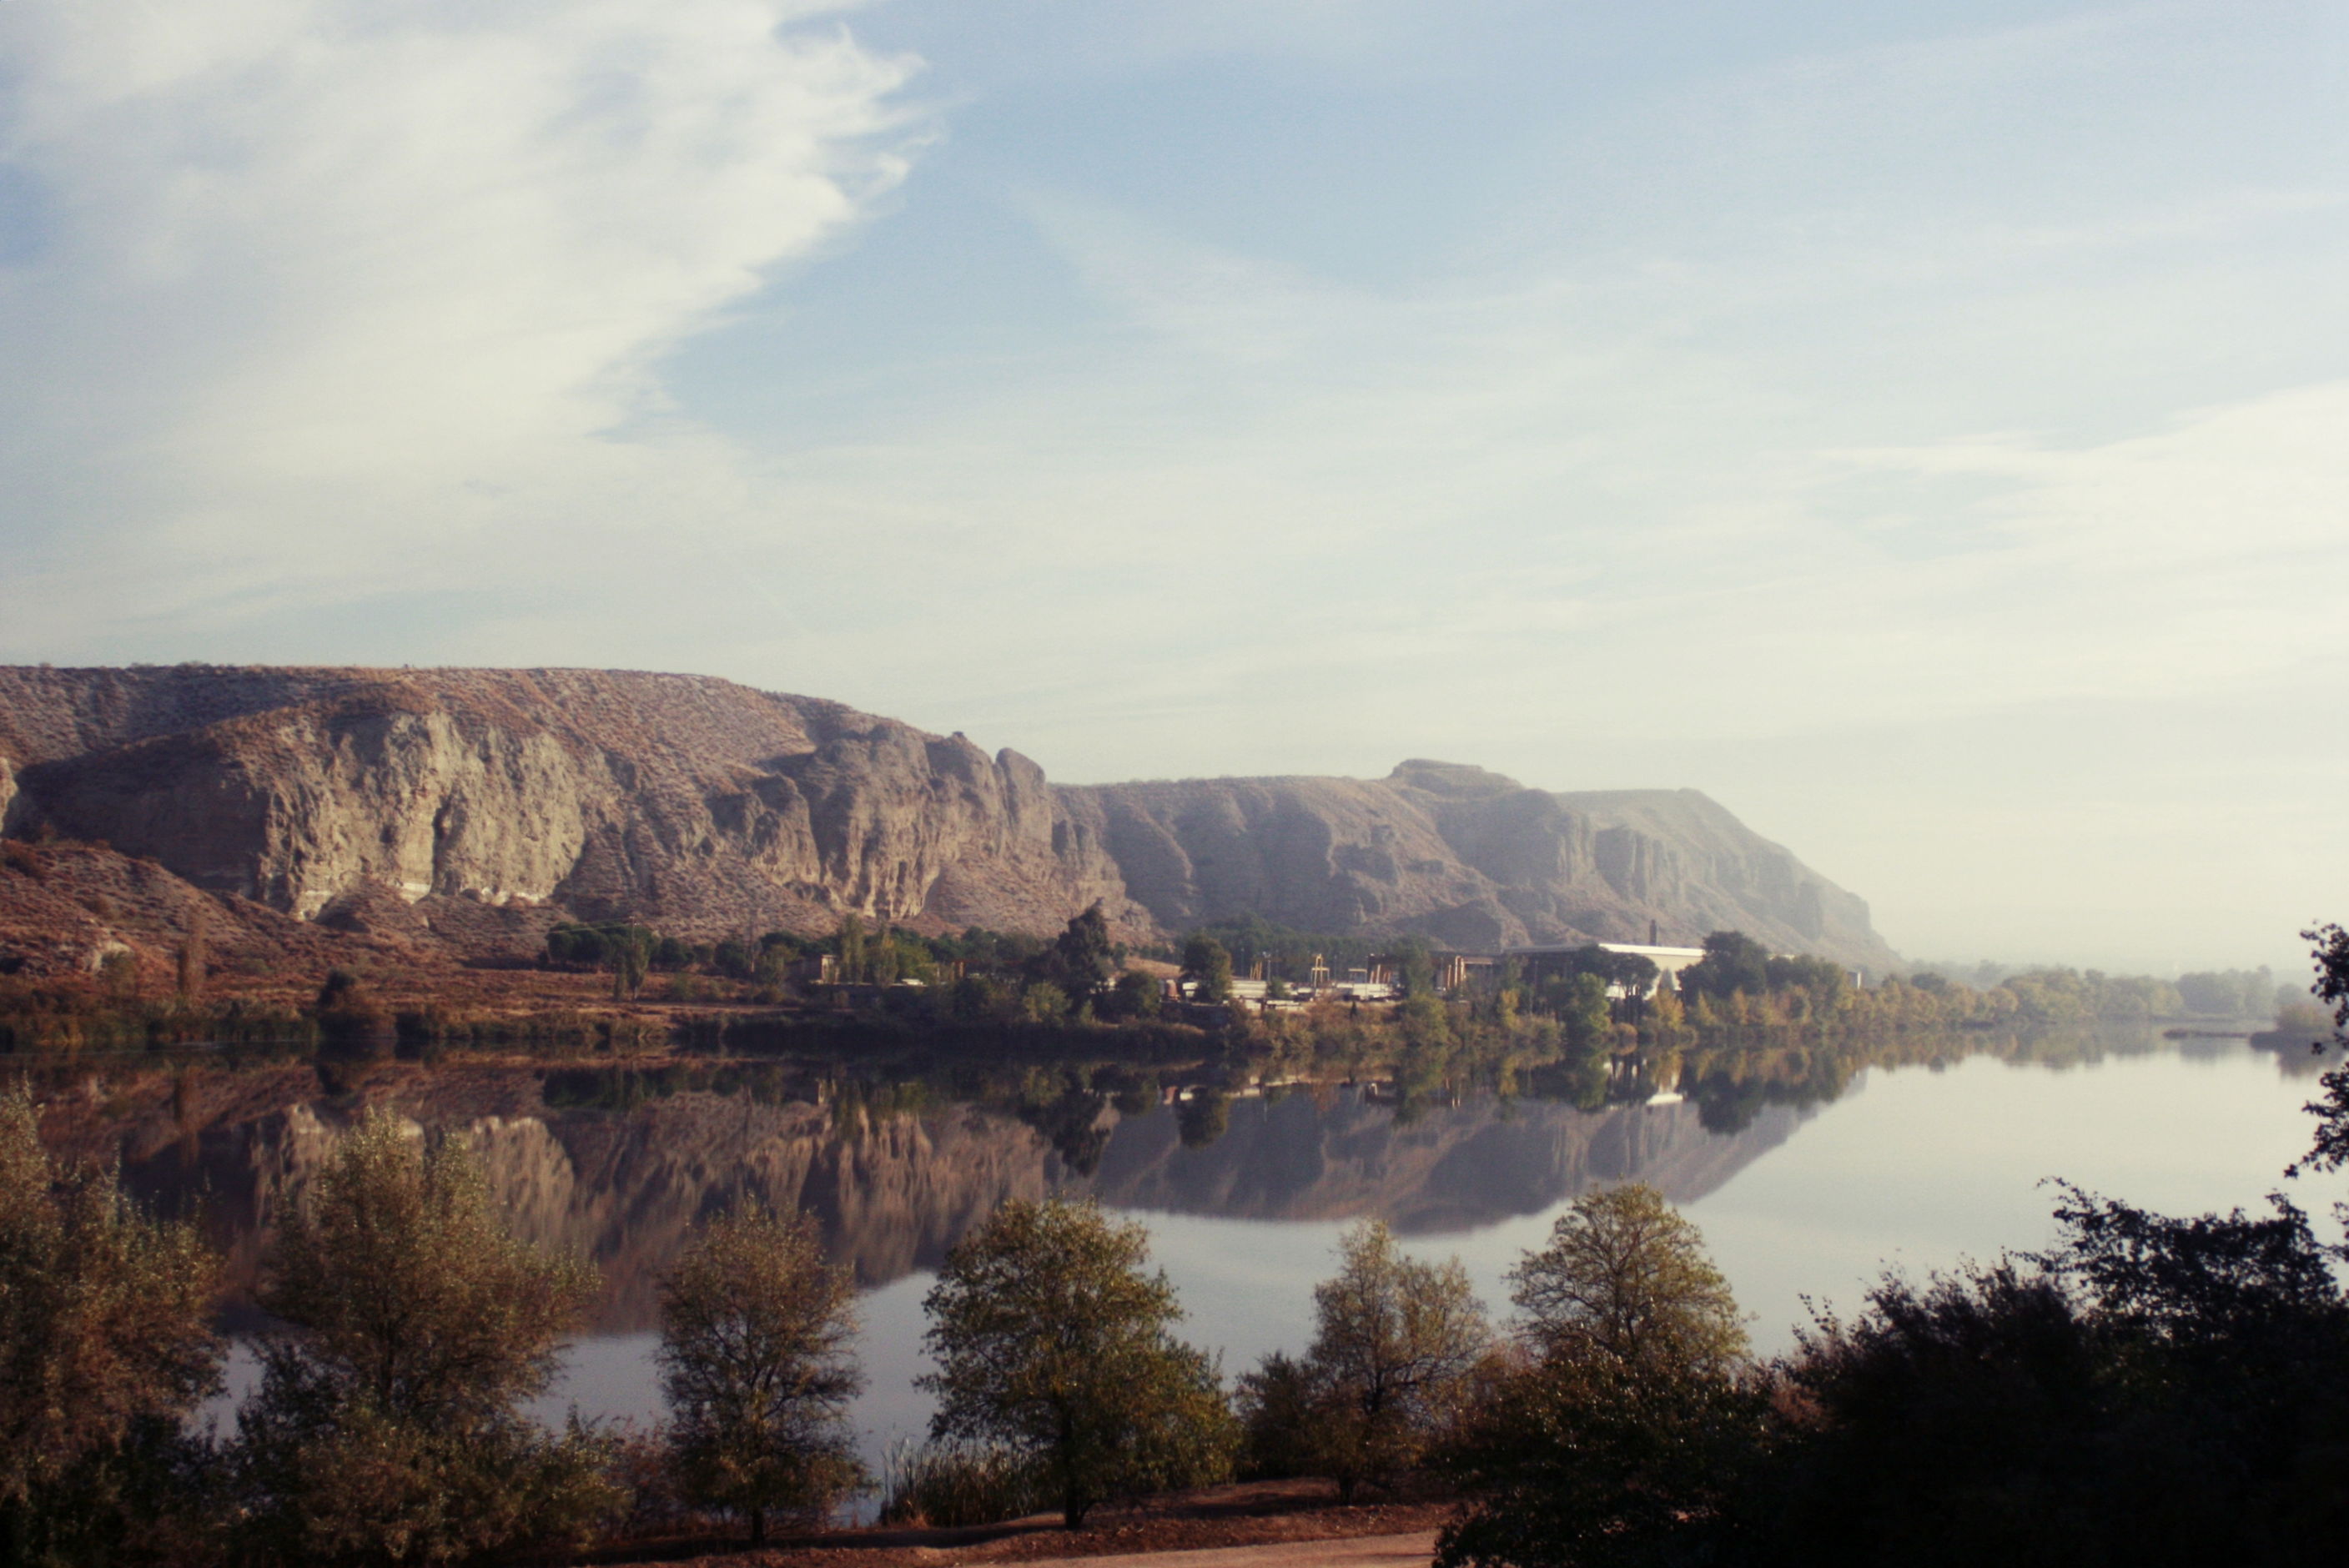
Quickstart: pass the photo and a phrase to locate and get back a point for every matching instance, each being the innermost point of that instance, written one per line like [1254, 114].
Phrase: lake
[1806, 1179]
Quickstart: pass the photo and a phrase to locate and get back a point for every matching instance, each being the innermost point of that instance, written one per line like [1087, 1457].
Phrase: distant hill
[479, 805]
[1471, 859]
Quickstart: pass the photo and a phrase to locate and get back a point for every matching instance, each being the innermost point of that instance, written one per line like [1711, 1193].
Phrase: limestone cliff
[1466, 857]
[701, 807]
[692, 803]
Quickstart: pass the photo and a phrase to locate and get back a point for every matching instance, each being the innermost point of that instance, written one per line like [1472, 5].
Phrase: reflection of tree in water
[1204, 1117]
[1730, 1084]
[1071, 1123]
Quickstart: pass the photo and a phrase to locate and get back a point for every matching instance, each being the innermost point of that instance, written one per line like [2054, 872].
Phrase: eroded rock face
[1469, 857]
[702, 807]
[696, 804]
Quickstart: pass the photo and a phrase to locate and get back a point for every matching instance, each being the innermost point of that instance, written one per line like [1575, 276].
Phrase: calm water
[1804, 1191]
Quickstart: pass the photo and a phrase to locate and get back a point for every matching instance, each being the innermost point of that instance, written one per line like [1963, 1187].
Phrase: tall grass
[946, 1484]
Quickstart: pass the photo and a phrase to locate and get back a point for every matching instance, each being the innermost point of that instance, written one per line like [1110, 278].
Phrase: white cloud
[328, 287]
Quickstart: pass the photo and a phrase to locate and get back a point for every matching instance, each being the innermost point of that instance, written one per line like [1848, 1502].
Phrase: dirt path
[1412, 1551]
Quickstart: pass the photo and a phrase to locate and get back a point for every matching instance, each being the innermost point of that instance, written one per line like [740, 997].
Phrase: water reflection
[1246, 1193]
[622, 1176]
[619, 1164]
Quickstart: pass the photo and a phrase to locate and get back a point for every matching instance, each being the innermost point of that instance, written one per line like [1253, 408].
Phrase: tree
[851, 950]
[1632, 1419]
[1581, 1003]
[386, 1426]
[1044, 1003]
[2331, 1149]
[106, 1345]
[1137, 995]
[1052, 1340]
[758, 1364]
[1732, 962]
[1206, 962]
[1395, 1342]
[1624, 1276]
[1082, 958]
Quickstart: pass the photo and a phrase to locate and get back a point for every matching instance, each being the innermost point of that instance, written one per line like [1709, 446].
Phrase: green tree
[1625, 1277]
[387, 1426]
[1415, 965]
[1732, 962]
[758, 1364]
[1633, 1417]
[105, 1344]
[1395, 1343]
[1053, 1340]
[2330, 1151]
[1209, 964]
[1084, 957]
[851, 945]
[1582, 1008]
[1137, 995]
[1044, 1003]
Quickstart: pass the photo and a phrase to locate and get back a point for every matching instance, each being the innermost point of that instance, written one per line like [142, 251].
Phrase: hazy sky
[1922, 427]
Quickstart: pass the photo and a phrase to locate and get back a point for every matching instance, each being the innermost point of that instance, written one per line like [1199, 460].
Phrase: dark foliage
[2330, 1151]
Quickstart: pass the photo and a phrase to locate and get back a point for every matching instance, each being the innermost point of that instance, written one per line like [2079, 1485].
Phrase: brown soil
[1251, 1513]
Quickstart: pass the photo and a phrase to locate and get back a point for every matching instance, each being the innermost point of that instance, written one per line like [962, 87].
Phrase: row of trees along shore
[1081, 991]
[2152, 1390]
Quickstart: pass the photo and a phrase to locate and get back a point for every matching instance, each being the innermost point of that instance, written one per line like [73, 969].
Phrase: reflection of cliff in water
[1338, 1155]
[623, 1184]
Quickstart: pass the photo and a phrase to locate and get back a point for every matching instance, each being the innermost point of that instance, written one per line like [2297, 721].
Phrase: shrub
[947, 1483]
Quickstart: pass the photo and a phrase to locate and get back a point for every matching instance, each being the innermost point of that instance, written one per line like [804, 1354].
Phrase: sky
[1918, 426]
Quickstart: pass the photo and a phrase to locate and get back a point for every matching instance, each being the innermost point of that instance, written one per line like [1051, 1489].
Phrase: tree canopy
[758, 1364]
[105, 1338]
[1625, 1276]
[1051, 1339]
[1395, 1340]
[386, 1426]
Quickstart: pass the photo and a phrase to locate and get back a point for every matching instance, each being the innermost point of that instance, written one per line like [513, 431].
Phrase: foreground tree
[758, 1364]
[1626, 1278]
[1631, 1417]
[1052, 1340]
[388, 1425]
[1396, 1342]
[106, 1345]
[2154, 1390]
[2330, 1152]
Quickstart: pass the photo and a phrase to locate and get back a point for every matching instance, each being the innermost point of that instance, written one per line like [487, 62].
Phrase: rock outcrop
[353, 797]
[695, 804]
[1469, 857]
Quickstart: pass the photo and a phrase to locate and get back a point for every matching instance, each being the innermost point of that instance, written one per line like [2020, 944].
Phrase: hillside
[1472, 859]
[468, 808]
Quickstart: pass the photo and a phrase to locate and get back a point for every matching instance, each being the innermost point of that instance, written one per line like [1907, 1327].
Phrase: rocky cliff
[1467, 857]
[691, 803]
[698, 805]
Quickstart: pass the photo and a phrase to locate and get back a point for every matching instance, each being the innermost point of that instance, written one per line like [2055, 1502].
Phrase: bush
[946, 1484]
